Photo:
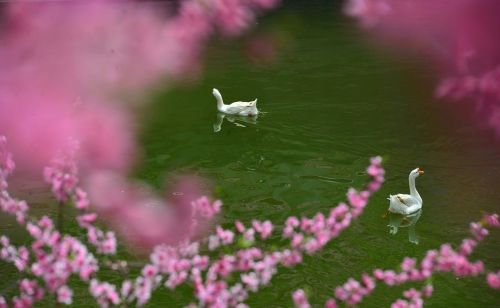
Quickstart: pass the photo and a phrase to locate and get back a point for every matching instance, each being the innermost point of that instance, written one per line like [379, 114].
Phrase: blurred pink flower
[146, 221]
[231, 16]
[55, 79]
[66, 71]
[64, 67]
[300, 299]
[104, 292]
[65, 295]
[459, 35]
[494, 280]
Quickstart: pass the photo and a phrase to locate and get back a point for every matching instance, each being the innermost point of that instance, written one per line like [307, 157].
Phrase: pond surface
[329, 103]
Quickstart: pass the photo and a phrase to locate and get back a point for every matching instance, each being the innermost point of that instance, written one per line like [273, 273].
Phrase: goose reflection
[236, 120]
[397, 221]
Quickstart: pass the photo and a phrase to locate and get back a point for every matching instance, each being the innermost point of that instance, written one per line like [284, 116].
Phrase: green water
[329, 103]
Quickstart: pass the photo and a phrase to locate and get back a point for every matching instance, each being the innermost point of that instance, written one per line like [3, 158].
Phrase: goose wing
[236, 106]
[406, 200]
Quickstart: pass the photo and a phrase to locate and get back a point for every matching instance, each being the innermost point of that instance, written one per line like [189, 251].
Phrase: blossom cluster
[101, 49]
[62, 176]
[251, 263]
[206, 265]
[54, 257]
[446, 259]
[58, 256]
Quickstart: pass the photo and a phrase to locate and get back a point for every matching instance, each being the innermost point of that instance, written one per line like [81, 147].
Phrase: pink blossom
[204, 208]
[379, 274]
[105, 242]
[493, 280]
[427, 290]
[300, 299]
[176, 279]
[65, 295]
[292, 221]
[411, 293]
[240, 227]
[250, 280]
[297, 240]
[213, 242]
[86, 220]
[224, 266]
[81, 199]
[17, 256]
[331, 303]
[478, 231]
[249, 235]
[226, 236]
[389, 278]
[408, 264]
[105, 293]
[149, 271]
[232, 16]
[357, 200]
[291, 257]
[126, 288]
[467, 246]
[30, 292]
[263, 228]
[14, 207]
[492, 220]
[400, 303]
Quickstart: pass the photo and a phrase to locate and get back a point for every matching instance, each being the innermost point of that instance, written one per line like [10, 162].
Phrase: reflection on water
[397, 221]
[236, 120]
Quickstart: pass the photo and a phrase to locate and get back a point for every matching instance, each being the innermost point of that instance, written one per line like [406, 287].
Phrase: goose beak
[420, 171]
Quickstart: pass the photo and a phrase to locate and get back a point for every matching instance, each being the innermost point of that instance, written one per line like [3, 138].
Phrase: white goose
[407, 204]
[247, 109]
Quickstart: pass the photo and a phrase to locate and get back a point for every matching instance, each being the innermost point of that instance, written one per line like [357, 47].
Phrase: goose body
[246, 109]
[407, 204]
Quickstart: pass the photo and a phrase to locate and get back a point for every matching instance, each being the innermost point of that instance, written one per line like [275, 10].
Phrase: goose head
[416, 172]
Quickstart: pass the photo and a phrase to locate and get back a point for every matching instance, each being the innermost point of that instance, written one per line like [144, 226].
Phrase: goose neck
[413, 189]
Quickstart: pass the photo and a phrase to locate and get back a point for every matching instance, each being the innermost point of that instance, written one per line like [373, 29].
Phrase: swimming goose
[247, 109]
[407, 204]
